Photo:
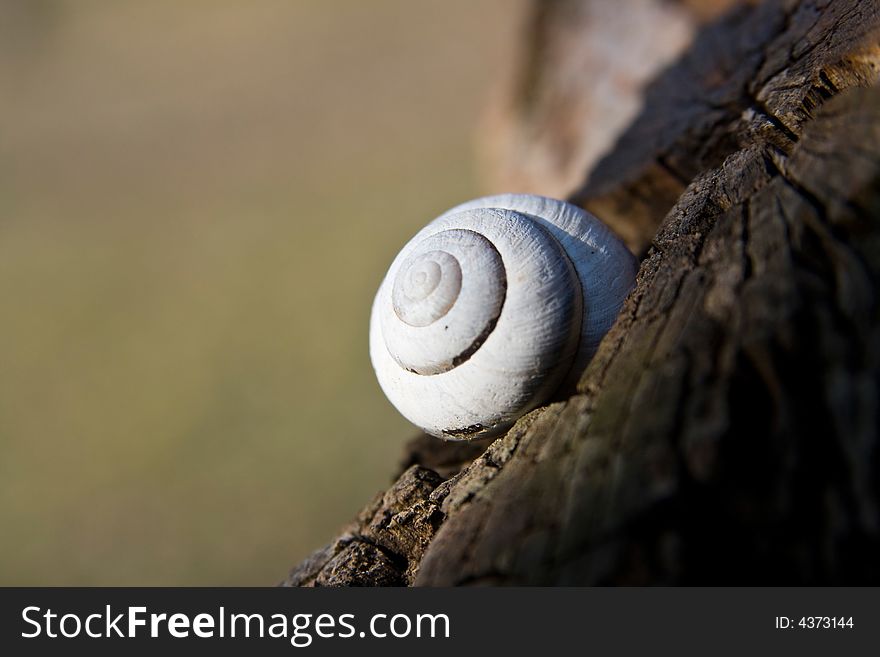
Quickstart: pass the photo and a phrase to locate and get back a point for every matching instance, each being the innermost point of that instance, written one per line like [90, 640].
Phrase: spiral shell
[491, 308]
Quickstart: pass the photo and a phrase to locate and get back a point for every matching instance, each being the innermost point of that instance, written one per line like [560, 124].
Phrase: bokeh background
[197, 202]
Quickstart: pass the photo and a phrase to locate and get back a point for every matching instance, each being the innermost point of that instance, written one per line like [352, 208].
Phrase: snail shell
[491, 308]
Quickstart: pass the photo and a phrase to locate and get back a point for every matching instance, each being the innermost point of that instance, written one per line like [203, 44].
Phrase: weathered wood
[576, 84]
[775, 61]
[385, 543]
[727, 430]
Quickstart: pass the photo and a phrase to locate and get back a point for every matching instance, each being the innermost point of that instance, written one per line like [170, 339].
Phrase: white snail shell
[491, 308]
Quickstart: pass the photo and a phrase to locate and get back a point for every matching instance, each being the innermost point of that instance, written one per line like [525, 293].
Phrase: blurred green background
[197, 202]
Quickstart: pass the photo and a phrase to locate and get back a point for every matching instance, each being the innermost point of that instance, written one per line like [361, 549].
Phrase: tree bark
[727, 430]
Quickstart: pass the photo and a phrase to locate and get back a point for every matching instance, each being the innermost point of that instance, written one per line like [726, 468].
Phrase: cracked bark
[726, 431]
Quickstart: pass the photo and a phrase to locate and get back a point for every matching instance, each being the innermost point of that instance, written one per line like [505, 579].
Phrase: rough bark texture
[727, 430]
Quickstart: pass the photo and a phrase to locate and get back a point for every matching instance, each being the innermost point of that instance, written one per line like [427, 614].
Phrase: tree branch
[726, 431]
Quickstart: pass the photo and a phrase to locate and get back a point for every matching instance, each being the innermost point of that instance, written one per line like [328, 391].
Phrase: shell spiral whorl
[491, 308]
